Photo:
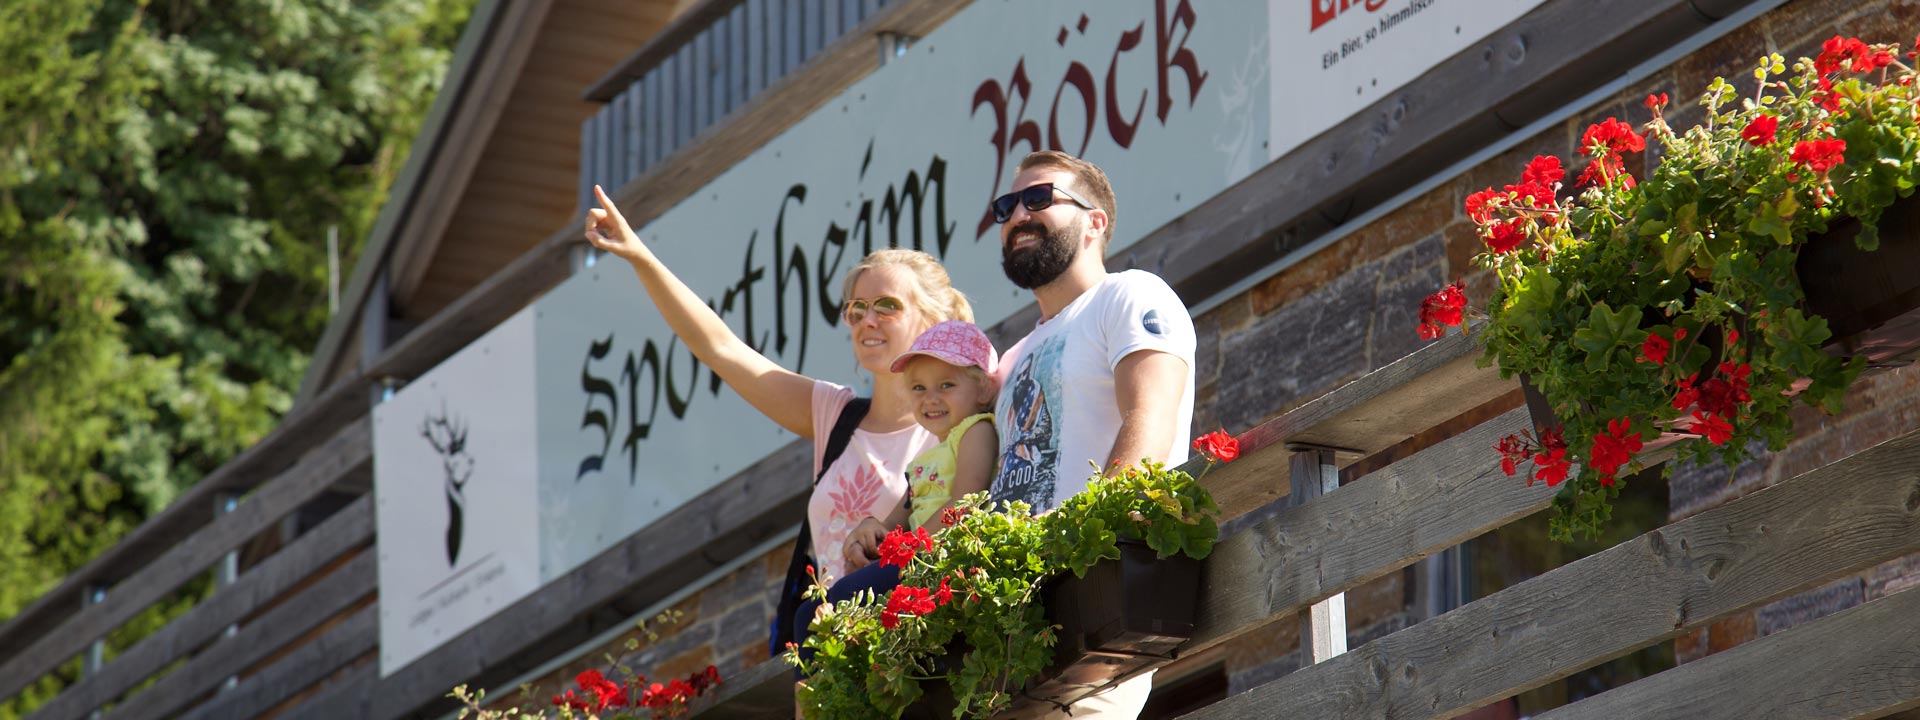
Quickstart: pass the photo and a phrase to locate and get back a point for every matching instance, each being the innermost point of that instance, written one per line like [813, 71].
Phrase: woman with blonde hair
[888, 299]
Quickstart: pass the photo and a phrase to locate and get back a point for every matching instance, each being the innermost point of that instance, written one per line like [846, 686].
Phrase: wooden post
[227, 572]
[1323, 627]
[97, 651]
[373, 328]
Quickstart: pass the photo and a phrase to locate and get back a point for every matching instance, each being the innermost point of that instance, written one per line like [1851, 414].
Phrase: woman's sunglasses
[884, 306]
[1035, 198]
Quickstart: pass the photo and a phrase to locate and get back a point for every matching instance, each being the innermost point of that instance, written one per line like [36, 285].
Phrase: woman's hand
[607, 229]
[863, 544]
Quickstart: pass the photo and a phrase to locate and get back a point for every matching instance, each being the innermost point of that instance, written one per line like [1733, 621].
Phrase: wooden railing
[1277, 562]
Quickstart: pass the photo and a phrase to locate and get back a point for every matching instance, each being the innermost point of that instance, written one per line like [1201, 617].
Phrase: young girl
[949, 372]
[949, 375]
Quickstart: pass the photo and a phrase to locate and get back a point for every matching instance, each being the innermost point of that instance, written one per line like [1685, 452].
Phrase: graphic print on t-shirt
[1029, 459]
[857, 497]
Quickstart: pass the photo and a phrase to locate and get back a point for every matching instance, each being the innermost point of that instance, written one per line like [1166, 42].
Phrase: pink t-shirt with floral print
[869, 479]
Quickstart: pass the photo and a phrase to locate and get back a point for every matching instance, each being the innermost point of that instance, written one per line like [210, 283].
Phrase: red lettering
[1323, 12]
[1081, 79]
[1181, 56]
[1118, 127]
[990, 93]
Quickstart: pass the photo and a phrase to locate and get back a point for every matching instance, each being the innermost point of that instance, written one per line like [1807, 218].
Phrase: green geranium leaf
[1767, 223]
[1605, 331]
[1869, 237]
[1199, 538]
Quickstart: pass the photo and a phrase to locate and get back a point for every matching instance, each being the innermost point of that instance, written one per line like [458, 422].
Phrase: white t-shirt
[1058, 415]
[869, 478]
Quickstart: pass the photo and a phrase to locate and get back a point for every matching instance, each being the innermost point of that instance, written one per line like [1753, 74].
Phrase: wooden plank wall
[703, 75]
[1827, 523]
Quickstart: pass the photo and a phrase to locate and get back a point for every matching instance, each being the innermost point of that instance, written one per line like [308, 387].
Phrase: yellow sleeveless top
[929, 476]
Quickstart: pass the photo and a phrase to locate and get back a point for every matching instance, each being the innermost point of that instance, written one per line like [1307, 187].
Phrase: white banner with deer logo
[454, 462]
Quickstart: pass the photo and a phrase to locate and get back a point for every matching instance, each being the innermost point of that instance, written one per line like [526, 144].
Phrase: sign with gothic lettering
[584, 419]
[1168, 96]
[454, 462]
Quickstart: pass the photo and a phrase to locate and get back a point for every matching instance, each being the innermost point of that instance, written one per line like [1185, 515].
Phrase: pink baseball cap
[955, 342]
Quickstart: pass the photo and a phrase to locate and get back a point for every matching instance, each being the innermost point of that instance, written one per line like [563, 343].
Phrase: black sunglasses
[1035, 198]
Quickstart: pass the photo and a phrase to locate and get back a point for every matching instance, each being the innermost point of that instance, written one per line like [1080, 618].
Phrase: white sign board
[1332, 58]
[1168, 96]
[454, 502]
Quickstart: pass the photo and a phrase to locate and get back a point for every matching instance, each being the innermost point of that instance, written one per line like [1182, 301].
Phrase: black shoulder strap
[849, 421]
[796, 581]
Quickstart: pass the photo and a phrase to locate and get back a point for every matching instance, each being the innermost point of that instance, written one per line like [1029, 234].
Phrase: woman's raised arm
[778, 393]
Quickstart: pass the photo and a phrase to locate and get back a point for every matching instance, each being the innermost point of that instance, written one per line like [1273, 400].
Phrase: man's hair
[1089, 182]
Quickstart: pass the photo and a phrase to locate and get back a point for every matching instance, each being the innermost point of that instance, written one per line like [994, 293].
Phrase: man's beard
[1046, 259]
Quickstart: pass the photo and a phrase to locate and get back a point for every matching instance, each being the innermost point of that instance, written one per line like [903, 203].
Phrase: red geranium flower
[1551, 463]
[1505, 237]
[1825, 96]
[1844, 53]
[1513, 451]
[1478, 209]
[1611, 137]
[1716, 428]
[1537, 182]
[1543, 170]
[943, 594]
[1688, 394]
[1613, 448]
[1820, 155]
[1655, 349]
[898, 548]
[1655, 101]
[1760, 132]
[905, 599]
[1218, 445]
[1447, 307]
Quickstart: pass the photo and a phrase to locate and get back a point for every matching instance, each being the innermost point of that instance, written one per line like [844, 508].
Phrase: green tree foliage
[168, 173]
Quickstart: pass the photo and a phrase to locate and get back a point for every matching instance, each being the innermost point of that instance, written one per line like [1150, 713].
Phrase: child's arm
[973, 466]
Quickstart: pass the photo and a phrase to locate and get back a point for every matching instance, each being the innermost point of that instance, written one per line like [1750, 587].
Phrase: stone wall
[1352, 308]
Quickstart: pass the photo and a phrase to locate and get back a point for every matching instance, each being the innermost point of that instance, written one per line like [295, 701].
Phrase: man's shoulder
[1136, 282]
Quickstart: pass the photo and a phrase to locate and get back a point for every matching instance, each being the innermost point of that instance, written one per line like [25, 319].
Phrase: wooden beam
[1829, 522]
[350, 528]
[1370, 414]
[1387, 520]
[761, 692]
[341, 644]
[348, 696]
[258, 640]
[1858, 663]
[481, 106]
[677, 34]
[185, 558]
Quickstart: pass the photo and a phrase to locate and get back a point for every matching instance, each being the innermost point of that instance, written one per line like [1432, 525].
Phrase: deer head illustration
[448, 436]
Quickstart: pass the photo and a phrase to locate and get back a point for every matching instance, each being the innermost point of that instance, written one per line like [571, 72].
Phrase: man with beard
[1105, 377]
